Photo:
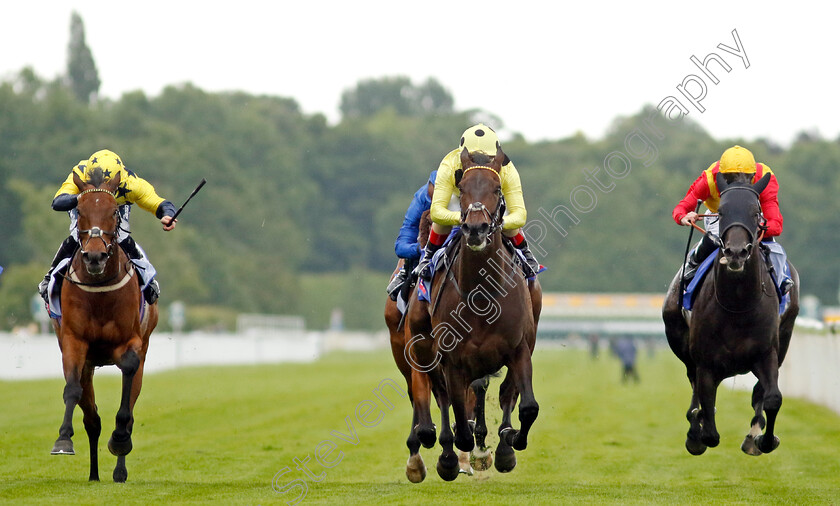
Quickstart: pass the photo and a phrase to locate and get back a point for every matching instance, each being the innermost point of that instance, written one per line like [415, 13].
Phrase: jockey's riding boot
[129, 245]
[696, 257]
[532, 266]
[64, 251]
[787, 284]
[395, 284]
[423, 270]
[152, 292]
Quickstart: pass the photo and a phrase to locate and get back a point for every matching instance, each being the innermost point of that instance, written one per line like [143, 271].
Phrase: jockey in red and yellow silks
[479, 138]
[734, 160]
[132, 190]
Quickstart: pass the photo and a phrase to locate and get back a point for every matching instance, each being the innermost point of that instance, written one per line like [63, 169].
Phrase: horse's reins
[494, 224]
[762, 228]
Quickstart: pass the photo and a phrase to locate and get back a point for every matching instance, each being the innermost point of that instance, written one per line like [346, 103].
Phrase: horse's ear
[465, 158]
[762, 183]
[81, 185]
[114, 183]
[499, 159]
[458, 175]
[721, 182]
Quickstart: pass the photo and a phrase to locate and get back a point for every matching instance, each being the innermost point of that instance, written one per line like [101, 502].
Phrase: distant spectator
[625, 349]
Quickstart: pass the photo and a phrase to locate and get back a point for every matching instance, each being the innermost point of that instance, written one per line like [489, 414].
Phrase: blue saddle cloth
[691, 290]
[446, 255]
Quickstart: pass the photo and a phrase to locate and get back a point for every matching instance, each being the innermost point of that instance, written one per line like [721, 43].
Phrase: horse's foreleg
[757, 423]
[528, 406]
[768, 376]
[120, 442]
[93, 424]
[73, 356]
[415, 468]
[480, 458]
[706, 387]
[424, 427]
[457, 390]
[505, 457]
[692, 440]
[447, 466]
[421, 424]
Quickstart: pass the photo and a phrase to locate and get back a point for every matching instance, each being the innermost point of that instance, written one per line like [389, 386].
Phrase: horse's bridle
[96, 232]
[495, 216]
[757, 228]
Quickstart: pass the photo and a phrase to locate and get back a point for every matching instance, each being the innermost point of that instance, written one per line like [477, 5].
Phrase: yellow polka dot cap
[737, 159]
[481, 138]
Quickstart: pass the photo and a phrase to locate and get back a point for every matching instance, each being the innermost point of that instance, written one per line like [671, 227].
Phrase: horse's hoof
[748, 446]
[766, 446]
[481, 459]
[63, 447]
[415, 469]
[505, 459]
[120, 474]
[119, 448]
[694, 447]
[447, 467]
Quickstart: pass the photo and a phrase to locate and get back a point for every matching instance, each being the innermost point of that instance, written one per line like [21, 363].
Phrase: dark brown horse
[734, 325]
[418, 385]
[481, 317]
[101, 324]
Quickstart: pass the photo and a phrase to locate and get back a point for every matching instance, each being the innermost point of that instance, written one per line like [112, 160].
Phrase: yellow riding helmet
[110, 163]
[481, 138]
[737, 159]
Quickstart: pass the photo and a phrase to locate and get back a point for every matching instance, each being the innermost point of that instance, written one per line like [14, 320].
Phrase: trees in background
[288, 193]
[82, 75]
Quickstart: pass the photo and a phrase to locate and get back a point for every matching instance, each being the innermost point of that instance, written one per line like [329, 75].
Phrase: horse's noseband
[96, 232]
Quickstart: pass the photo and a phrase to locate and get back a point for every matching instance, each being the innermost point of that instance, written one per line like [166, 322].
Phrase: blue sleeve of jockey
[65, 202]
[166, 208]
[406, 245]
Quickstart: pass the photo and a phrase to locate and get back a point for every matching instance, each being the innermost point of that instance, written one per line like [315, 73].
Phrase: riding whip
[187, 201]
[685, 257]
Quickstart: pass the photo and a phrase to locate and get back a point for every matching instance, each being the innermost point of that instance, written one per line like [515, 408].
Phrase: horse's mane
[737, 177]
[480, 158]
[96, 177]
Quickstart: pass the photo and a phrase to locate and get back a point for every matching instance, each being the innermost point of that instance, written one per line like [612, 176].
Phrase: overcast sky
[547, 72]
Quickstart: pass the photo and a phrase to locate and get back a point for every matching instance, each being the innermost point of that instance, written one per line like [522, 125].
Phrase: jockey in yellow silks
[132, 190]
[479, 138]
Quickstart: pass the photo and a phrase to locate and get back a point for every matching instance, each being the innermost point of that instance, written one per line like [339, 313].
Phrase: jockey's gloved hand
[714, 238]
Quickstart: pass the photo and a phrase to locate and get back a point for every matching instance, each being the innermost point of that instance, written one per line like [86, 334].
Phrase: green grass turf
[220, 435]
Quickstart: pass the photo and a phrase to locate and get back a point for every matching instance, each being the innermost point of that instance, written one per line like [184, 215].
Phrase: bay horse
[101, 323]
[482, 315]
[418, 386]
[734, 326]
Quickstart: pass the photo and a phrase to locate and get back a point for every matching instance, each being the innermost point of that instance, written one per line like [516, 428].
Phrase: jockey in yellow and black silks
[132, 190]
[479, 138]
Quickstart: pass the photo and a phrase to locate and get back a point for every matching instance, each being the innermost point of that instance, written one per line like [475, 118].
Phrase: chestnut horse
[734, 326]
[101, 323]
[481, 317]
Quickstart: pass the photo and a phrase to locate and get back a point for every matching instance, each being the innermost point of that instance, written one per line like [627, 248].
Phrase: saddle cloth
[691, 290]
